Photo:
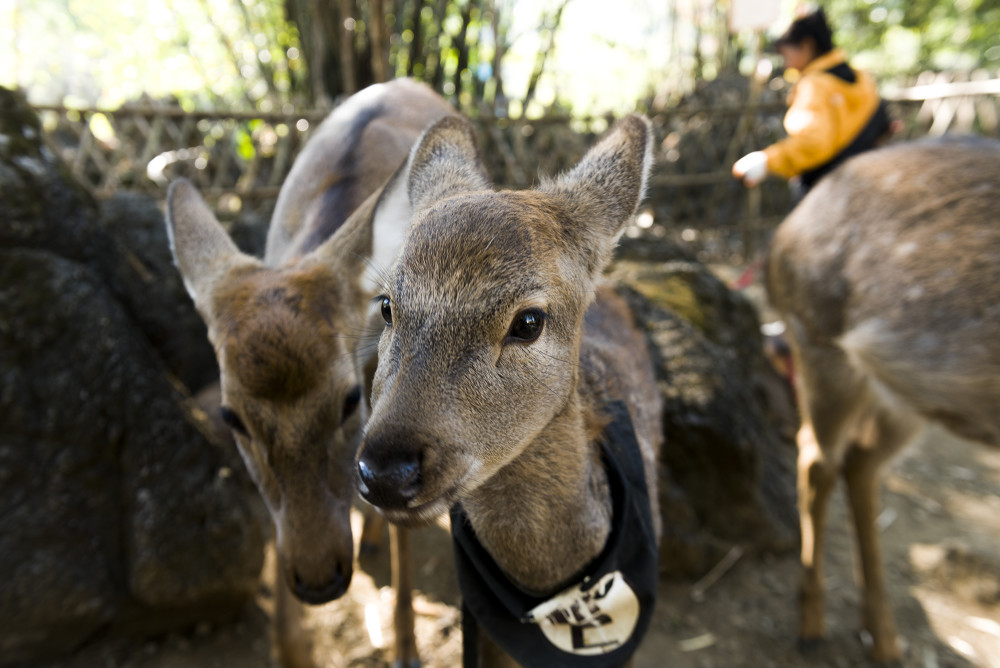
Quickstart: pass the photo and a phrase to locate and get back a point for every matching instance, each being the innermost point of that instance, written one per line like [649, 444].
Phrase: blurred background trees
[512, 57]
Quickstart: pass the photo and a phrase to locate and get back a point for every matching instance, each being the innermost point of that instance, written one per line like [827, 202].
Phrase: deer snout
[332, 589]
[317, 581]
[389, 477]
[315, 547]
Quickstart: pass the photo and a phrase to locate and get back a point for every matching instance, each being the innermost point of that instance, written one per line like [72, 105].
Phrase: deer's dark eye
[351, 402]
[527, 326]
[233, 420]
[387, 310]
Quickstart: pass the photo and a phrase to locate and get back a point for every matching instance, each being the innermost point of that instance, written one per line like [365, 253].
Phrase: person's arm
[812, 132]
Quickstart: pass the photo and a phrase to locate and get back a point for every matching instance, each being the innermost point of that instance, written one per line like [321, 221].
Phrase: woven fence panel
[239, 160]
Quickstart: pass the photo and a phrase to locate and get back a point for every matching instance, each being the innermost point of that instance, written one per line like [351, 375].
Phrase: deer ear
[202, 249]
[601, 193]
[444, 161]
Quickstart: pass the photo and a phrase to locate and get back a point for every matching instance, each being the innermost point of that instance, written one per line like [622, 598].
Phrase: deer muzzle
[389, 477]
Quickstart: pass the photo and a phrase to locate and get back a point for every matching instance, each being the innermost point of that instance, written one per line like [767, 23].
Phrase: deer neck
[547, 514]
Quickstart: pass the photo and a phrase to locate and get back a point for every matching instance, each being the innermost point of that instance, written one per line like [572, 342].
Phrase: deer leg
[829, 398]
[372, 531]
[293, 643]
[401, 557]
[491, 656]
[816, 479]
[882, 437]
[861, 474]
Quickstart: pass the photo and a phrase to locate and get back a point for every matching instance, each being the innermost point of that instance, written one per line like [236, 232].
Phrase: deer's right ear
[445, 161]
[602, 192]
[202, 249]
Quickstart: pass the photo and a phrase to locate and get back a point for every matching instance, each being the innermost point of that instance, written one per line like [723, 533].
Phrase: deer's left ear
[203, 252]
[600, 195]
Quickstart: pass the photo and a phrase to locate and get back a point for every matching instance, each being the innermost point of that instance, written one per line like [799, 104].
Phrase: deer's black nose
[316, 595]
[389, 478]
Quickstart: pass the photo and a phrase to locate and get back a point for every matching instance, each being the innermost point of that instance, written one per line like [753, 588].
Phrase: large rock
[728, 460]
[131, 257]
[117, 512]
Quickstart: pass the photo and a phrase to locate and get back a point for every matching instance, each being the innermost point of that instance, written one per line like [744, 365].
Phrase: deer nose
[389, 481]
[314, 595]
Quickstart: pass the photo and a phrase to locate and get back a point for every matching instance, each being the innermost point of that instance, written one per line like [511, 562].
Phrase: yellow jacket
[825, 114]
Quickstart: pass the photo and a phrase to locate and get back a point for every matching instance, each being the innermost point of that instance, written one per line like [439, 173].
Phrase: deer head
[287, 340]
[483, 312]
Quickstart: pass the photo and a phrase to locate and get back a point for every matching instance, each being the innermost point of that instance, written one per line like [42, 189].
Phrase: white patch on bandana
[587, 623]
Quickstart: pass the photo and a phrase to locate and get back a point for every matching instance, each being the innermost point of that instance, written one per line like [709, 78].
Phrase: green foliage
[236, 53]
[244, 144]
[894, 37]
[511, 56]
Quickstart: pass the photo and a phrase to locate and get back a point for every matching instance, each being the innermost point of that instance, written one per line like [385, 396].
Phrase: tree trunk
[347, 66]
[542, 56]
[436, 78]
[417, 45]
[319, 25]
[462, 47]
[378, 40]
[499, 102]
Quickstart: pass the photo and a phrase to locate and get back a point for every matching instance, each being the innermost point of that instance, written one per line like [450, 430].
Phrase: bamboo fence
[240, 159]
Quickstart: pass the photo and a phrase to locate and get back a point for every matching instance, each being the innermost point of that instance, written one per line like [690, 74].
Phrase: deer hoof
[887, 655]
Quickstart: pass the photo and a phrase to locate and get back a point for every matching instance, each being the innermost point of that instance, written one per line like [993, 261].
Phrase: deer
[503, 368]
[886, 275]
[290, 336]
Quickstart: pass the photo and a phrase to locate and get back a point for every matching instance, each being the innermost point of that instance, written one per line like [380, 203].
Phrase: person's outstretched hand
[751, 168]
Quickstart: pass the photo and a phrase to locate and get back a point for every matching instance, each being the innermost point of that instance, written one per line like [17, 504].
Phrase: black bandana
[597, 622]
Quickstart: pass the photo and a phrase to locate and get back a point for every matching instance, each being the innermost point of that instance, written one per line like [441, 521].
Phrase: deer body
[491, 380]
[887, 276]
[288, 330]
[352, 155]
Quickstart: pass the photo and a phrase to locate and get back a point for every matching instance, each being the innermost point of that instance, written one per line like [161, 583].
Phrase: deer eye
[387, 310]
[527, 326]
[351, 402]
[233, 420]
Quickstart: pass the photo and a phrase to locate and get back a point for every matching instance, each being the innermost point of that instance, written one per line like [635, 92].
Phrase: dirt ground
[940, 526]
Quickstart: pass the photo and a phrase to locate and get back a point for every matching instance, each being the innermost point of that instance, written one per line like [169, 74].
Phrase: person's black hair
[811, 26]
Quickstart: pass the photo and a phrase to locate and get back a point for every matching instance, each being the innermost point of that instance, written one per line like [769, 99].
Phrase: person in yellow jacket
[834, 111]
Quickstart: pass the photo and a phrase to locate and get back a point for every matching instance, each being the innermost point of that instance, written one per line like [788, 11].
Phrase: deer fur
[463, 411]
[289, 330]
[887, 276]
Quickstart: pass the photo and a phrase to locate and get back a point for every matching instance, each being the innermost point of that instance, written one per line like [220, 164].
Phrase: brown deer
[290, 331]
[887, 275]
[496, 366]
